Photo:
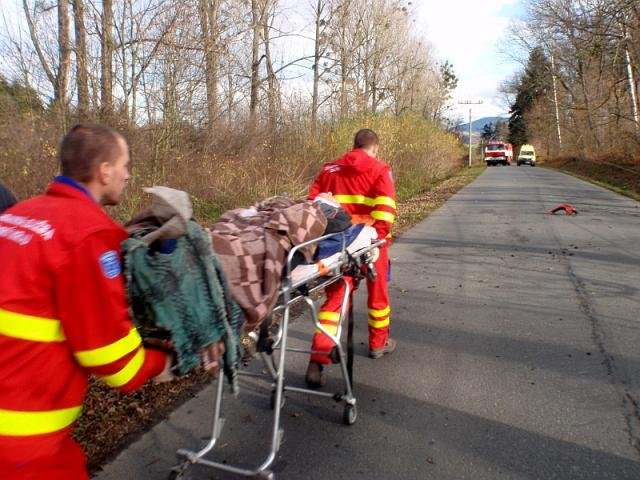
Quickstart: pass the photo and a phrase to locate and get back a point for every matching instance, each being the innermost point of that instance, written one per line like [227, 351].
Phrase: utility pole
[470, 102]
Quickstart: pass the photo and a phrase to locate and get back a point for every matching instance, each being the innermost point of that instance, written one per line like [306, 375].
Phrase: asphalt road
[518, 355]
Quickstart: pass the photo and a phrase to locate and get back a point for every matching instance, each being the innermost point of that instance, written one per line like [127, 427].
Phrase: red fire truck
[498, 153]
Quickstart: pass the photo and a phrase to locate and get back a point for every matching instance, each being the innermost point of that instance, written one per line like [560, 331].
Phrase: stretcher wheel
[350, 414]
[334, 355]
[272, 400]
[180, 472]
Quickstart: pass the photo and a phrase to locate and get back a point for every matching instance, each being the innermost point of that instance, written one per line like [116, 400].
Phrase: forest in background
[230, 100]
[578, 93]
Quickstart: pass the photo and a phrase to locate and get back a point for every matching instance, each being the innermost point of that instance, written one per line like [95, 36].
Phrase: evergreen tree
[488, 132]
[449, 78]
[534, 84]
[501, 130]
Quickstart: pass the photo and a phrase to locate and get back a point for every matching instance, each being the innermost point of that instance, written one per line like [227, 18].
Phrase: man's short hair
[85, 147]
[365, 138]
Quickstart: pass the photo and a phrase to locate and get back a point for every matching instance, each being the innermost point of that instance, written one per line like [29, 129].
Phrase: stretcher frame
[356, 265]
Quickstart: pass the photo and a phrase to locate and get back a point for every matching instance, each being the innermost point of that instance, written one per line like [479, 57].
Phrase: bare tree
[273, 91]
[58, 78]
[106, 78]
[209, 12]
[319, 50]
[233, 63]
[256, 20]
[82, 74]
[593, 47]
[64, 48]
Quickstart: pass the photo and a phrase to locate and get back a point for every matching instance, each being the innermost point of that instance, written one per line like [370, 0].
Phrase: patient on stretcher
[329, 252]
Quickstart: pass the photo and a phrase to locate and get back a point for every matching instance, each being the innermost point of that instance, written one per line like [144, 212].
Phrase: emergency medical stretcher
[295, 290]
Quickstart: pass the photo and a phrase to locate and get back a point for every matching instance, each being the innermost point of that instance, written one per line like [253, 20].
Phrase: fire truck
[498, 153]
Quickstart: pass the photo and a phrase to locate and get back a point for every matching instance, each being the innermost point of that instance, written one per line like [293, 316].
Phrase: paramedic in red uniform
[364, 187]
[63, 309]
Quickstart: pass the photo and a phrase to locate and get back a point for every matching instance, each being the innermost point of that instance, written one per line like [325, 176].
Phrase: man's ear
[104, 173]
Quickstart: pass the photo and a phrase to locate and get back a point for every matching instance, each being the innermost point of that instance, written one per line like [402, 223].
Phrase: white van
[527, 156]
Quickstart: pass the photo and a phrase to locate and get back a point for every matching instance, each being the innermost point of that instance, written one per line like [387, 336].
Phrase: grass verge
[112, 420]
[622, 179]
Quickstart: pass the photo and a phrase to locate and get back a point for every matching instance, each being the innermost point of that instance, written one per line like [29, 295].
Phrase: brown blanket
[253, 244]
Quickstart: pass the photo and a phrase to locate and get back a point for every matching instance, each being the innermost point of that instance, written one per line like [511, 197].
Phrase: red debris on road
[566, 207]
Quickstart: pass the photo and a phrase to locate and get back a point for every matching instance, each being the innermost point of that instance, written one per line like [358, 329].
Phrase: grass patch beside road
[622, 177]
[112, 420]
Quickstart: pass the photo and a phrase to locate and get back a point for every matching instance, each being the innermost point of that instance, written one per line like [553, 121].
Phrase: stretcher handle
[296, 248]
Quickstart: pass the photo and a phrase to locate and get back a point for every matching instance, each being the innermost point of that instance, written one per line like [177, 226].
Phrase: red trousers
[43, 458]
[378, 310]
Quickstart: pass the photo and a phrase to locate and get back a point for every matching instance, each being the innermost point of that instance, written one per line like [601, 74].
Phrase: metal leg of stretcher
[344, 360]
[276, 372]
[262, 471]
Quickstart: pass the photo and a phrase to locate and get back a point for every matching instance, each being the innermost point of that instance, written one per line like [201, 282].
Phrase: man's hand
[211, 358]
[167, 374]
[165, 347]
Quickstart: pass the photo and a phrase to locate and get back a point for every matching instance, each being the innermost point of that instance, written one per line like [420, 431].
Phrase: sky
[470, 34]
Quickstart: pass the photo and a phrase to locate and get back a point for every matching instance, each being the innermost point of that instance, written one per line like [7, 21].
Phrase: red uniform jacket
[63, 315]
[363, 186]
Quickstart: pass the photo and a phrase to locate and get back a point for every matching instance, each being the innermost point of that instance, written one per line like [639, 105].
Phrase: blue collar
[72, 183]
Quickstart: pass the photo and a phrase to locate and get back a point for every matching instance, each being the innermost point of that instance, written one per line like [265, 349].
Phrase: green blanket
[184, 293]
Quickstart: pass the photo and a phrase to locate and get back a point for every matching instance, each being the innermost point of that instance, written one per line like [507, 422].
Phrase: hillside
[476, 128]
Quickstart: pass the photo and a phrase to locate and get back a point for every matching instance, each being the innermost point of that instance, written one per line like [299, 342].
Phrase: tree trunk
[81, 59]
[134, 62]
[344, 60]
[555, 99]
[123, 61]
[106, 79]
[209, 11]
[633, 93]
[272, 93]
[587, 104]
[64, 55]
[36, 44]
[64, 52]
[230, 98]
[316, 68]
[255, 63]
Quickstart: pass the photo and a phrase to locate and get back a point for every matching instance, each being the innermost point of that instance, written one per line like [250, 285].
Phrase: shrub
[234, 170]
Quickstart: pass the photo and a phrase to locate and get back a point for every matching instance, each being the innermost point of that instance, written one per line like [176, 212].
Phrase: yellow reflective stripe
[362, 200]
[388, 201]
[385, 216]
[379, 323]
[335, 316]
[29, 327]
[18, 423]
[332, 329]
[379, 313]
[125, 375]
[110, 353]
